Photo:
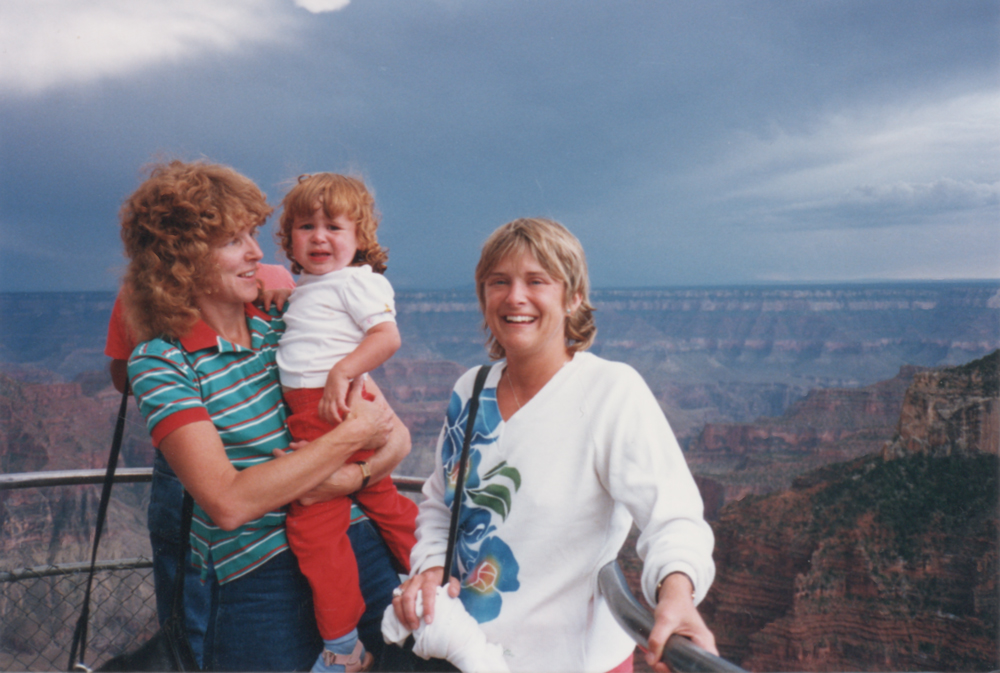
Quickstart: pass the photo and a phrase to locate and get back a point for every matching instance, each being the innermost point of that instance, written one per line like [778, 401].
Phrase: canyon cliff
[844, 570]
[828, 425]
[886, 562]
[59, 426]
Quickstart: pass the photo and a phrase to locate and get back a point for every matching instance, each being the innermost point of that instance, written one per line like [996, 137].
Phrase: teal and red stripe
[204, 377]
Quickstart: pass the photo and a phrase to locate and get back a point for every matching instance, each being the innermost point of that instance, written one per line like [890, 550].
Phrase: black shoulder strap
[456, 505]
[80, 633]
[187, 511]
[78, 649]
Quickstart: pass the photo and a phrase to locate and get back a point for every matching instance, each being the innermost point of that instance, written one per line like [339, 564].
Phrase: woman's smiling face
[525, 308]
[236, 264]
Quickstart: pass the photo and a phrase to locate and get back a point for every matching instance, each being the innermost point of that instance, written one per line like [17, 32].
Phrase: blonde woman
[568, 451]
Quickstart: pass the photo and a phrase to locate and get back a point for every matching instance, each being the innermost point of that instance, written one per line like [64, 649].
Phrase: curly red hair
[339, 195]
[170, 226]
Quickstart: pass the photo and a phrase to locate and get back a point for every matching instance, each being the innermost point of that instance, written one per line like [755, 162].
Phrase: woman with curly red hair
[206, 381]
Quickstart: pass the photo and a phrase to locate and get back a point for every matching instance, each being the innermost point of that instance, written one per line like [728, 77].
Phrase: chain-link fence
[51, 514]
[39, 608]
[40, 605]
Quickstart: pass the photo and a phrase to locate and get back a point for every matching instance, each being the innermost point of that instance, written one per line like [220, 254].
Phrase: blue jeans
[164, 522]
[263, 621]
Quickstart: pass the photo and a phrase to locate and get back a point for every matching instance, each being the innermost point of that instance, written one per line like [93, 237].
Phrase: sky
[690, 142]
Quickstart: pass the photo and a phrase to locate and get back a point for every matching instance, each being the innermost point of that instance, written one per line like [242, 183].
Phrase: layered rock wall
[57, 427]
[827, 425]
[955, 411]
[887, 562]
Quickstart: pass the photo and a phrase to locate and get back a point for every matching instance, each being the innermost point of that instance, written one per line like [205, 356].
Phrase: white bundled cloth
[454, 635]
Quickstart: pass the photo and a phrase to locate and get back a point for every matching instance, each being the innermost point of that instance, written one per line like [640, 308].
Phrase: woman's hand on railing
[676, 613]
[427, 582]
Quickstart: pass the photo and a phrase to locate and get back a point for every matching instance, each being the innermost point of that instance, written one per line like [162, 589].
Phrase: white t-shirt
[551, 496]
[327, 317]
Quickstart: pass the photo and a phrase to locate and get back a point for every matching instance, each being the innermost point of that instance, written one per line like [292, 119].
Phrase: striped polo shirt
[203, 377]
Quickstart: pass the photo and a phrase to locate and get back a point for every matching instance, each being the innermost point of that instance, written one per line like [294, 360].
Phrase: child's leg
[343, 655]
[394, 515]
[317, 534]
[327, 560]
[303, 418]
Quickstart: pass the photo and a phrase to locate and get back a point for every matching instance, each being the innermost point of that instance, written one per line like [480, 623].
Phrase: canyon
[813, 418]
[885, 562]
[827, 425]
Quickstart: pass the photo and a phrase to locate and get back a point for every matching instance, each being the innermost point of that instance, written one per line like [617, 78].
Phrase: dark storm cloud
[683, 142]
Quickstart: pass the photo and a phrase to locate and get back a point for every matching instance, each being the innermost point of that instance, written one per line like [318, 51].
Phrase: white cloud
[940, 194]
[319, 6]
[51, 43]
[939, 151]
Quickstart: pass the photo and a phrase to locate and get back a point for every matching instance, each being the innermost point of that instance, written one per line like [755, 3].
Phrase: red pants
[317, 534]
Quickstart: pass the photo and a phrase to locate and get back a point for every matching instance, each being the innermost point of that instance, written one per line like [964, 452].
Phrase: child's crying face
[321, 244]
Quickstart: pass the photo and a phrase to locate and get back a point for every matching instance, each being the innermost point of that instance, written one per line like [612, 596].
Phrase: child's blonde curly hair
[338, 195]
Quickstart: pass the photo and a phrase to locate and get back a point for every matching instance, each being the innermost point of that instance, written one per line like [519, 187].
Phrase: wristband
[366, 474]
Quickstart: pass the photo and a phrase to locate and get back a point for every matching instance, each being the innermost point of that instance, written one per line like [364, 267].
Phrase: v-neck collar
[496, 374]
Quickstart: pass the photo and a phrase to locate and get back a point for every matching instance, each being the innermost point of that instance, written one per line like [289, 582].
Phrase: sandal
[357, 661]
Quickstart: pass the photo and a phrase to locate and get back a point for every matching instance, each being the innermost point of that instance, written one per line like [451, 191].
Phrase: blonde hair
[561, 255]
[339, 195]
[170, 226]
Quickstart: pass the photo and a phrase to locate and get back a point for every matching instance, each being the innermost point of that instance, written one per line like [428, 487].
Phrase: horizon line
[605, 288]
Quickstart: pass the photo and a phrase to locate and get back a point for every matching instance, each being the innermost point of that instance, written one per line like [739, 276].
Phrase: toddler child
[340, 324]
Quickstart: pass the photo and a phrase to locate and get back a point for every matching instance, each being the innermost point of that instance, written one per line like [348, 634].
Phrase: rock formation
[951, 412]
[57, 427]
[827, 425]
[887, 562]
[418, 391]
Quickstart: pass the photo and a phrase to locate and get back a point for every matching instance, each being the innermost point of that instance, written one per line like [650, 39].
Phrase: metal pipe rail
[48, 478]
[124, 475]
[73, 568]
[680, 654]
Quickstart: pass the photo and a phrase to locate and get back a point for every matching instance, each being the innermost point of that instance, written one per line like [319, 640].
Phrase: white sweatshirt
[327, 317]
[551, 495]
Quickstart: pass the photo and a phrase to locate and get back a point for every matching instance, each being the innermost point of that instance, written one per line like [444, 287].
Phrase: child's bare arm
[379, 344]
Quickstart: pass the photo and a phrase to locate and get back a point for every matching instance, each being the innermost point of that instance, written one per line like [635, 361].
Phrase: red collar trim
[254, 312]
[202, 336]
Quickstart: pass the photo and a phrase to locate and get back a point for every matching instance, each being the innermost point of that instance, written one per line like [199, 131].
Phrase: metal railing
[124, 475]
[39, 605]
